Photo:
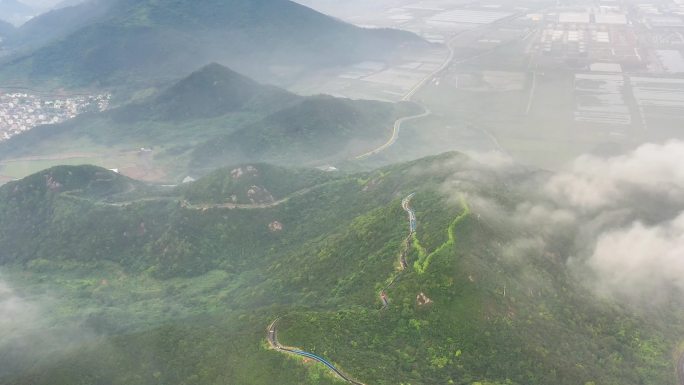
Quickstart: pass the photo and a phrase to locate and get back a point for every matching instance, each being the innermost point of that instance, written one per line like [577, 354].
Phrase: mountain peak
[149, 40]
[211, 91]
[215, 75]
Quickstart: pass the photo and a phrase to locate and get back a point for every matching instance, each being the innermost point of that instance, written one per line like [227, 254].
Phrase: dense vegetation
[143, 41]
[175, 293]
[279, 182]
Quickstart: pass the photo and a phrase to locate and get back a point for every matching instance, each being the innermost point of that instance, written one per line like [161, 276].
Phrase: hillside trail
[199, 206]
[272, 330]
[403, 264]
[420, 266]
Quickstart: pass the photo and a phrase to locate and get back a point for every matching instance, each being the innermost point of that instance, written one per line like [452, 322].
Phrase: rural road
[273, 341]
[207, 206]
[395, 133]
[407, 98]
[427, 79]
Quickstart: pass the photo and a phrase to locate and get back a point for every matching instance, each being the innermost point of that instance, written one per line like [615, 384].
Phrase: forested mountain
[146, 40]
[197, 222]
[177, 285]
[215, 117]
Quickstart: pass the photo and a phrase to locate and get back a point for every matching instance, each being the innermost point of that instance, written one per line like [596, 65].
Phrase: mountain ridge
[318, 261]
[163, 39]
[57, 24]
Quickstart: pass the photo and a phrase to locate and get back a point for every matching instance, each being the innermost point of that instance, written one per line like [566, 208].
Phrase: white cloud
[619, 221]
[494, 160]
[596, 183]
[613, 199]
[17, 315]
[641, 261]
[625, 215]
[543, 215]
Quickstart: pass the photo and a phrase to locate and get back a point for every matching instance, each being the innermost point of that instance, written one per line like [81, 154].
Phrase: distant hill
[216, 117]
[85, 181]
[213, 91]
[163, 291]
[319, 127]
[141, 40]
[58, 23]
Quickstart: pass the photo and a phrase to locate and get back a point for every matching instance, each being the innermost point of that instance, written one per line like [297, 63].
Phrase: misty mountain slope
[215, 117]
[180, 287]
[6, 29]
[146, 40]
[320, 128]
[210, 92]
[58, 23]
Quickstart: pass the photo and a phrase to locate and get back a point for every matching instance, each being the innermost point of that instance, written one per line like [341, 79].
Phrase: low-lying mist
[30, 333]
[618, 222]
[17, 315]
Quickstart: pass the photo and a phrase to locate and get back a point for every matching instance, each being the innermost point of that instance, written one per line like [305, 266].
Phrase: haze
[323, 192]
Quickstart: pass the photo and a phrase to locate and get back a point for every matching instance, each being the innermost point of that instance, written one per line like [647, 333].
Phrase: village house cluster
[20, 112]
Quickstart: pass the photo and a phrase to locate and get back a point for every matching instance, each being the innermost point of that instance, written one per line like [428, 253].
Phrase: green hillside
[319, 129]
[87, 181]
[143, 41]
[275, 183]
[179, 288]
[216, 117]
